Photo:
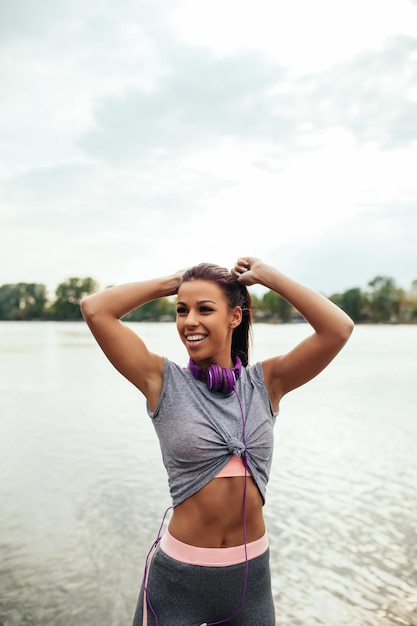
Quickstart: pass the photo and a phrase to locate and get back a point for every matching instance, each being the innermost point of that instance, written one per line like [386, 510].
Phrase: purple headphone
[217, 378]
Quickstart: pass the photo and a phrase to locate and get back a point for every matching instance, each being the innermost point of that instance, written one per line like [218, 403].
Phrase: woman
[214, 420]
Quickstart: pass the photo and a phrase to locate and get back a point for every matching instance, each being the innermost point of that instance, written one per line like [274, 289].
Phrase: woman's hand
[177, 278]
[246, 270]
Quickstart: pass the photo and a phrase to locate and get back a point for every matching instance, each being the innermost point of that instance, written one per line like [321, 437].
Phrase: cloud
[305, 37]
[124, 141]
[374, 96]
[92, 23]
[65, 196]
[56, 58]
[199, 99]
[202, 97]
[380, 240]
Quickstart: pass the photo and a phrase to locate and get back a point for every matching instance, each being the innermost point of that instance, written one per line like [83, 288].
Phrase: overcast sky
[143, 136]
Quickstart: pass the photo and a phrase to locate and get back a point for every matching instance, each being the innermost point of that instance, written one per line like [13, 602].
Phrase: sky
[139, 137]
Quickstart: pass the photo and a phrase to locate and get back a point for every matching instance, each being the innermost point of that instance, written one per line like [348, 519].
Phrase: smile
[195, 337]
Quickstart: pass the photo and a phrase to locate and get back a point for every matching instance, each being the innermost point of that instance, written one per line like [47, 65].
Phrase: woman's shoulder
[254, 372]
[255, 379]
[175, 380]
[172, 368]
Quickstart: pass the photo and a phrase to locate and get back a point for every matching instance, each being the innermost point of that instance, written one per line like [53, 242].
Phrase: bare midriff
[213, 517]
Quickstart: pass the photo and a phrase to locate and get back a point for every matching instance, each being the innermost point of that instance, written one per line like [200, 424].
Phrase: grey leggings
[191, 595]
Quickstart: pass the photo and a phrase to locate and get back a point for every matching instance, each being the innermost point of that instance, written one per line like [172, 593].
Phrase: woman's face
[205, 322]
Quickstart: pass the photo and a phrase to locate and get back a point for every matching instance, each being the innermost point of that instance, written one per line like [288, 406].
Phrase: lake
[83, 487]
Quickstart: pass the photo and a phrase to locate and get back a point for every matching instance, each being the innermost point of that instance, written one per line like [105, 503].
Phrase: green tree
[9, 302]
[257, 307]
[153, 311]
[351, 302]
[276, 307]
[69, 295]
[22, 301]
[413, 301]
[384, 299]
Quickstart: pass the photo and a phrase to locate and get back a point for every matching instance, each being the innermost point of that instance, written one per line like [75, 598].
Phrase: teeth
[195, 337]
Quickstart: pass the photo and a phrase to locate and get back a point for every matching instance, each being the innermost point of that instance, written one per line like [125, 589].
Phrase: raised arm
[332, 328]
[122, 346]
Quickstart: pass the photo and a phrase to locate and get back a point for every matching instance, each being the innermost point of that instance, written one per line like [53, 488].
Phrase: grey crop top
[199, 430]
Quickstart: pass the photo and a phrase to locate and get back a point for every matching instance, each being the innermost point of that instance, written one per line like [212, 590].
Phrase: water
[83, 488]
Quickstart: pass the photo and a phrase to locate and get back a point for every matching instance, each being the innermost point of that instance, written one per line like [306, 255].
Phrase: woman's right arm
[122, 346]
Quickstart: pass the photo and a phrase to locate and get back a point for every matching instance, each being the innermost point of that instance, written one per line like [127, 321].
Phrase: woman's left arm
[332, 328]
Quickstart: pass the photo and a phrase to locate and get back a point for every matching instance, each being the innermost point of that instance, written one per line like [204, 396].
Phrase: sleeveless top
[199, 430]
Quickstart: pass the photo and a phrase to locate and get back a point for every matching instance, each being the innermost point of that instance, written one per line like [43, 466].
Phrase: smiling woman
[209, 301]
[214, 420]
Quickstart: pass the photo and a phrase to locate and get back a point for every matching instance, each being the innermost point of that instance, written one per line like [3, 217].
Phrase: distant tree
[384, 299]
[351, 302]
[22, 301]
[383, 302]
[68, 297]
[153, 311]
[275, 306]
[9, 302]
[257, 307]
[413, 301]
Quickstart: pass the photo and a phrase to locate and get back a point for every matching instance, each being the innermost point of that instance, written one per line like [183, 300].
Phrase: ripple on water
[83, 489]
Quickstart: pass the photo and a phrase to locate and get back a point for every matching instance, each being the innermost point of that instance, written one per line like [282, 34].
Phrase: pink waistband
[195, 555]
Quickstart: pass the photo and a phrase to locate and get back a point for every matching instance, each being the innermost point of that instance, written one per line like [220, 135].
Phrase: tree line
[382, 302]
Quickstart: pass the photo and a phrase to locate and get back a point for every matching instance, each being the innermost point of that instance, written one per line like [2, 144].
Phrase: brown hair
[236, 294]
